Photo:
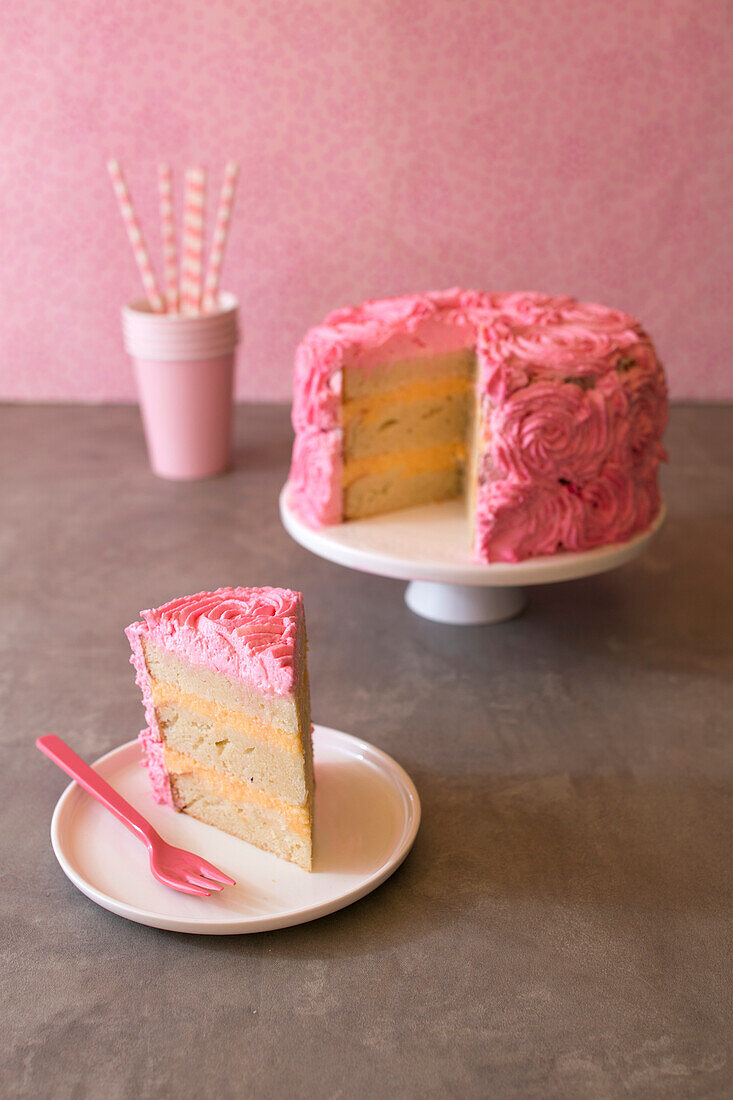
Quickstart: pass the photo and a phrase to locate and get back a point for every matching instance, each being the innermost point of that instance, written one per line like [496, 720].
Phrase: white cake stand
[429, 546]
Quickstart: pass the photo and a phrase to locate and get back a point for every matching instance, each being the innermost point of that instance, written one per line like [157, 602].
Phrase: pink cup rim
[170, 337]
[139, 311]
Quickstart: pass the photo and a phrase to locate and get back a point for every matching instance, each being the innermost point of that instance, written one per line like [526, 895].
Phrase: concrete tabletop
[562, 927]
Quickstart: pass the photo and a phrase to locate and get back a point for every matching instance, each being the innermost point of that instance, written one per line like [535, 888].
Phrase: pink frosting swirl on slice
[246, 633]
[154, 761]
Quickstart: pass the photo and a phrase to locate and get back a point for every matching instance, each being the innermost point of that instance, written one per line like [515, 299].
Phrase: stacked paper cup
[184, 367]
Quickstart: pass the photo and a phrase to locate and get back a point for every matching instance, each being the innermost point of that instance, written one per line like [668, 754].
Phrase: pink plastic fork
[174, 867]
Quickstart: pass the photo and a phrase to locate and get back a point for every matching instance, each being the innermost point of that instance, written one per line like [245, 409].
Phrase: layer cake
[225, 689]
[546, 414]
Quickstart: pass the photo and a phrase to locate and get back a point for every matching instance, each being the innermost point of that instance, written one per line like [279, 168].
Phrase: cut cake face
[225, 689]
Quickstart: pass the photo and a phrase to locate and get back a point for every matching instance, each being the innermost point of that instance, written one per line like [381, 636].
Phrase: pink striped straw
[135, 236]
[168, 235]
[219, 240]
[193, 240]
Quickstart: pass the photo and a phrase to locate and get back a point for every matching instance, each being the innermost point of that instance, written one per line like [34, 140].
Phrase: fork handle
[58, 751]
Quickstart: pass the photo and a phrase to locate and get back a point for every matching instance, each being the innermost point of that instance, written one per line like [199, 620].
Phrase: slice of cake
[544, 413]
[225, 687]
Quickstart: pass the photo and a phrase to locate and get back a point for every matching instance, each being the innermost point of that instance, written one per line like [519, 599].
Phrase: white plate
[367, 814]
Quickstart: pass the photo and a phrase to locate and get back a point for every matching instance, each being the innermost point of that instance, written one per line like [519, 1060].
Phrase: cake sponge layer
[267, 827]
[404, 431]
[387, 492]
[393, 426]
[234, 752]
[164, 668]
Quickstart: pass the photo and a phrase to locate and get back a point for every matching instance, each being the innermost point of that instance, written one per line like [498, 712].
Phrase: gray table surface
[562, 927]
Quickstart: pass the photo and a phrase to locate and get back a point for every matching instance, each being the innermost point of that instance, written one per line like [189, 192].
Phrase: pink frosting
[154, 761]
[611, 512]
[574, 404]
[519, 519]
[553, 430]
[149, 738]
[246, 633]
[251, 634]
[648, 414]
[376, 332]
[315, 476]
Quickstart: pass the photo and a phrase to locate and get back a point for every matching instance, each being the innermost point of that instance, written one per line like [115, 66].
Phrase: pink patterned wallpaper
[578, 146]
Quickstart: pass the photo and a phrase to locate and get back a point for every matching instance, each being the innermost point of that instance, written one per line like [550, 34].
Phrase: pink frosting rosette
[592, 315]
[529, 308]
[610, 511]
[516, 520]
[373, 323]
[555, 430]
[386, 313]
[570, 348]
[254, 619]
[647, 393]
[378, 318]
[533, 336]
[247, 633]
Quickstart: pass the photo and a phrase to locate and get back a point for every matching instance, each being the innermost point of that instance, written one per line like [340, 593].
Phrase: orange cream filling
[297, 818]
[166, 695]
[370, 408]
[421, 460]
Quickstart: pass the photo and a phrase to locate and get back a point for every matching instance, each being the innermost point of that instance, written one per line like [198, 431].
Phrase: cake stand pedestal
[429, 546]
[462, 604]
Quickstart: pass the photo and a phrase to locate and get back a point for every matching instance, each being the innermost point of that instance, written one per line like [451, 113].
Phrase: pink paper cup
[184, 369]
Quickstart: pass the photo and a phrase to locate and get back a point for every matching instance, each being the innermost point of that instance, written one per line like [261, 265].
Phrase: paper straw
[193, 240]
[219, 240]
[168, 235]
[135, 237]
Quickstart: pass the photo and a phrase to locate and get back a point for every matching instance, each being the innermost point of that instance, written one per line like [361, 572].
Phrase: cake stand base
[463, 605]
[430, 546]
